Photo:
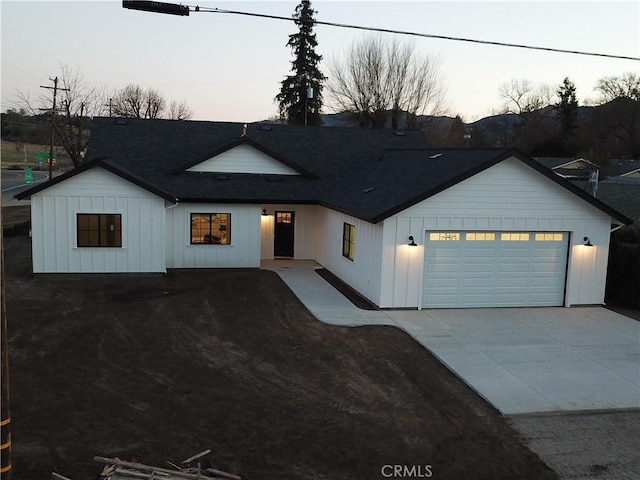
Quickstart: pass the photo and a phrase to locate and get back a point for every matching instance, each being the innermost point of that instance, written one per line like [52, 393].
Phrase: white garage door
[494, 269]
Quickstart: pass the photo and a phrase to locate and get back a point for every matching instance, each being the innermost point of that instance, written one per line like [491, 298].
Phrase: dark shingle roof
[370, 174]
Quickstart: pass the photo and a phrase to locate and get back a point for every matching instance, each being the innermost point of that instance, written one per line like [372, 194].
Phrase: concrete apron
[521, 360]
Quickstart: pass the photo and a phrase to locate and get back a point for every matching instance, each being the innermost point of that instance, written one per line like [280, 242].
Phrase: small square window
[349, 241]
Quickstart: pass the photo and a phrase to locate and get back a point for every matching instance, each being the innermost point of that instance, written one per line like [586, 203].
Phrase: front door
[283, 233]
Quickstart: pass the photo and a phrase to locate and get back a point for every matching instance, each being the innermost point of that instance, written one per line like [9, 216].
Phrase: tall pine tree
[567, 109]
[300, 97]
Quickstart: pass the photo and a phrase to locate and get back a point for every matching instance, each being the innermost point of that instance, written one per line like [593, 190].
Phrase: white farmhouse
[405, 225]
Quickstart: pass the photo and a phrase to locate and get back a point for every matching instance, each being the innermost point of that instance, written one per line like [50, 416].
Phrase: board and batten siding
[243, 159]
[363, 272]
[509, 196]
[306, 234]
[54, 230]
[243, 252]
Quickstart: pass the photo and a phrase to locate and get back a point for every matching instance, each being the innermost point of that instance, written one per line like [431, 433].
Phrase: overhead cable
[417, 34]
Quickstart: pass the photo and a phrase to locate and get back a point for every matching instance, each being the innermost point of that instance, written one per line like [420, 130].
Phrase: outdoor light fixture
[264, 212]
[587, 242]
[157, 7]
[411, 242]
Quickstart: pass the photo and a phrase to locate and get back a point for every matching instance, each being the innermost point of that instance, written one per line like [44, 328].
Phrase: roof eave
[102, 163]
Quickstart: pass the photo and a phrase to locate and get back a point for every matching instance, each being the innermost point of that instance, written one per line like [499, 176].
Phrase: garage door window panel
[514, 237]
[549, 237]
[444, 236]
[480, 237]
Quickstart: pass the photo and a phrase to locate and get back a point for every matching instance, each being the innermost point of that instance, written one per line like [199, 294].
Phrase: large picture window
[349, 241]
[99, 230]
[211, 228]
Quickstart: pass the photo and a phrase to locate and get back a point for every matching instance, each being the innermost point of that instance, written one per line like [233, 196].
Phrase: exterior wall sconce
[264, 212]
[587, 242]
[411, 242]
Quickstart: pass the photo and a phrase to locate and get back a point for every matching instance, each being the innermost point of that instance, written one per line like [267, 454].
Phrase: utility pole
[5, 415]
[109, 105]
[53, 121]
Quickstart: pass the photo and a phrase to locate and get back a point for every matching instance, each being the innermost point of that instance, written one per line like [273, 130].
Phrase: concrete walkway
[521, 360]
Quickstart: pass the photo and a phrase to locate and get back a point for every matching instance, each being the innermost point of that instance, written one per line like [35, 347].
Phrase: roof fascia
[571, 187]
[630, 172]
[444, 186]
[103, 163]
[574, 161]
[513, 153]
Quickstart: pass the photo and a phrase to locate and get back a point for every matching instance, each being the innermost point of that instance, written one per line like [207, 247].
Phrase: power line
[416, 34]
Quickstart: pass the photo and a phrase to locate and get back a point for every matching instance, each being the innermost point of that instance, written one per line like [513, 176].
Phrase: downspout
[421, 279]
[164, 240]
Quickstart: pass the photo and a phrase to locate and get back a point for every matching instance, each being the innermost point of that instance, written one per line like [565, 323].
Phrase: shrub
[623, 275]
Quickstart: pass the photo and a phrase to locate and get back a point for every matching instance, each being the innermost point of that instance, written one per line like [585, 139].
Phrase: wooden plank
[174, 466]
[57, 476]
[197, 455]
[224, 474]
[149, 468]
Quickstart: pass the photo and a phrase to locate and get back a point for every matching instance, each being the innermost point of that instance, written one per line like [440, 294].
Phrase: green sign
[43, 157]
[28, 175]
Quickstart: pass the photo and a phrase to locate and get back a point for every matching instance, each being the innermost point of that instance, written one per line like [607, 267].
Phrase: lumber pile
[116, 469]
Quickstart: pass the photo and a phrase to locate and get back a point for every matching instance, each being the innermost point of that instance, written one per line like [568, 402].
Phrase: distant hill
[606, 131]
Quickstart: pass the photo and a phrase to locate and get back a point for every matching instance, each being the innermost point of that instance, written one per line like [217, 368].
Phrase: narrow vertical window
[99, 230]
[348, 241]
[211, 228]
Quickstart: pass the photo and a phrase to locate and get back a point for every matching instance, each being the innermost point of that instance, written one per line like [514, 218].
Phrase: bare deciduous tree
[80, 103]
[135, 102]
[529, 104]
[522, 97]
[626, 85]
[620, 101]
[179, 111]
[379, 79]
[77, 103]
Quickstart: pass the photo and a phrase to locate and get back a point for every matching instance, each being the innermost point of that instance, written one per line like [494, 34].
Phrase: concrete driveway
[521, 360]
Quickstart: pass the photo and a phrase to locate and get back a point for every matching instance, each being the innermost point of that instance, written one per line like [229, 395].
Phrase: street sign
[43, 157]
[28, 175]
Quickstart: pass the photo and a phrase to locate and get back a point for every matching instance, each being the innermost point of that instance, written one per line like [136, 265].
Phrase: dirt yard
[159, 367]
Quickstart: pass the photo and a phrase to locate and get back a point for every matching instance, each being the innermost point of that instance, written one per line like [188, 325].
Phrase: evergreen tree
[300, 97]
[567, 109]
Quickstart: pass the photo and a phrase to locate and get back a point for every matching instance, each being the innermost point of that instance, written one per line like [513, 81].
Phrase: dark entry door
[283, 233]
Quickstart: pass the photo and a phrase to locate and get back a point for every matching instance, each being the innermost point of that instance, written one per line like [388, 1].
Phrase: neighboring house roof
[565, 162]
[368, 173]
[621, 167]
[623, 193]
[571, 168]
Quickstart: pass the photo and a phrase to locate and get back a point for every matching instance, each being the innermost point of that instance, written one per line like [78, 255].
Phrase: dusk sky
[229, 67]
